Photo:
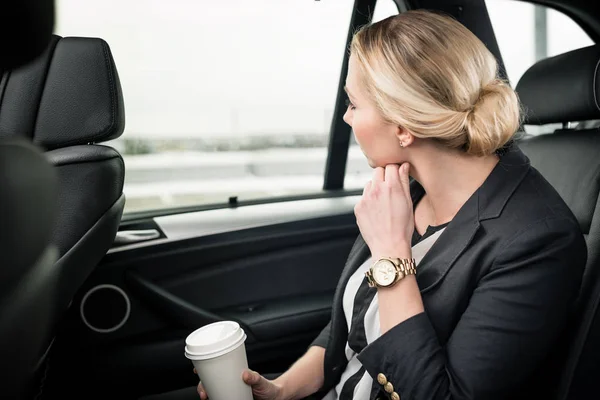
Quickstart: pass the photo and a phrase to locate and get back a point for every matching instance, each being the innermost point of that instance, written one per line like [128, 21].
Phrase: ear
[405, 137]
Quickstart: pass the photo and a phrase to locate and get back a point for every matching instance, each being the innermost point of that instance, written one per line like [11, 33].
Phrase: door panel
[273, 269]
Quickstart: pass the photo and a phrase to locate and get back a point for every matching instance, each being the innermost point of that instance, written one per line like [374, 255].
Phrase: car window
[223, 99]
[358, 171]
[527, 33]
[384, 9]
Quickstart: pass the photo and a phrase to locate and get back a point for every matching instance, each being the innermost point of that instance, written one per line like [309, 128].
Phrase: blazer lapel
[486, 203]
[452, 242]
[334, 353]
[358, 254]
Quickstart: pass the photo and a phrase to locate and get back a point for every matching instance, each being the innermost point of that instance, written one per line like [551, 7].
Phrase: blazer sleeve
[514, 317]
[323, 337]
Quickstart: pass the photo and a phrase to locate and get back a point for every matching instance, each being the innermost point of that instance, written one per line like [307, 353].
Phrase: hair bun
[493, 120]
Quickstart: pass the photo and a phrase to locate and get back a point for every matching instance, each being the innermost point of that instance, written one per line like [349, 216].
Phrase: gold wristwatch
[386, 272]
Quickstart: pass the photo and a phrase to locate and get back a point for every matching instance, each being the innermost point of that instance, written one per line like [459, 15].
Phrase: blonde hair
[429, 74]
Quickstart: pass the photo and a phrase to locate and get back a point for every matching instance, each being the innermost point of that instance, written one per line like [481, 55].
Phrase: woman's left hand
[385, 212]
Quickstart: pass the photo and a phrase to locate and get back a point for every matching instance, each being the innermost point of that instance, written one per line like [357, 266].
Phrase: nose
[347, 117]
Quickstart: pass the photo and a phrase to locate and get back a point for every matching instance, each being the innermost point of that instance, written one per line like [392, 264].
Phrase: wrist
[402, 251]
[401, 254]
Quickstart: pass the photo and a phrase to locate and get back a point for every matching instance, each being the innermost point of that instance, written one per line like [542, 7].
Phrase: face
[378, 139]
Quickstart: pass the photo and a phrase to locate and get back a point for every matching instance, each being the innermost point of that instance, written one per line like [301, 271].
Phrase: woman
[499, 256]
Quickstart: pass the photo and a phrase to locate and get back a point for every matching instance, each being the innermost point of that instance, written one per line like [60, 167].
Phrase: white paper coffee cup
[219, 355]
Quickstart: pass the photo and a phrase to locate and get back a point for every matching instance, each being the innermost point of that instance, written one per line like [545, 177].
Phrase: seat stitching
[4, 76]
[594, 85]
[111, 88]
[3, 84]
[87, 161]
[46, 73]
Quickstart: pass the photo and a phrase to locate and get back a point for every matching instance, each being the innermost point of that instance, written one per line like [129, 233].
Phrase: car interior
[28, 206]
[97, 302]
[29, 282]
[67, 121]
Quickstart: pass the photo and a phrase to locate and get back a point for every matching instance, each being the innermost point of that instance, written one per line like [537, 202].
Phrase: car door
[221, 222]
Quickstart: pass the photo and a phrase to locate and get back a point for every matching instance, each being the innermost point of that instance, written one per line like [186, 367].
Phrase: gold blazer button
[388, 387]
[395, 396]
[381, 379]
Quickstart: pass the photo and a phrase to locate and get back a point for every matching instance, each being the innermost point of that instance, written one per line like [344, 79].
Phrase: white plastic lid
[214, 340]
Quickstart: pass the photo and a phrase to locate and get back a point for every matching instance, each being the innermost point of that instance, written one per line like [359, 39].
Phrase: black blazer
[497, 286]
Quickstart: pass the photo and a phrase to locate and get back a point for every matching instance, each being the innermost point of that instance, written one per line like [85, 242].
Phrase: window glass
[358, 171]
[384, 9]
[222, 98]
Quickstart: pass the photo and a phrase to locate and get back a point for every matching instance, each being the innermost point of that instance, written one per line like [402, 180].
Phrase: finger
[367, 187]
[202, 392]
[404, 172]
[391, 173]
[252, 378]
[378, 174]
[195, 372]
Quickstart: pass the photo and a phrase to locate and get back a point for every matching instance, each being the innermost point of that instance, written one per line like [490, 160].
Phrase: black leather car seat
[564, 89]
[66, 101]
[28, 280]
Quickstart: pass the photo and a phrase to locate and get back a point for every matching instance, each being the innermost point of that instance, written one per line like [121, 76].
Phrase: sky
[197, 68]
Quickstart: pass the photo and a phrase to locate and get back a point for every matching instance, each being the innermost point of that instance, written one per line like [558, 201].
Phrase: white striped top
[361, 310]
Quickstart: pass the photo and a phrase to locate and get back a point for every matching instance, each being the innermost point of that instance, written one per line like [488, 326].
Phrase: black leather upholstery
[570, 161]
[27, 208]
[91, 181]
[564, 88]
[71, 95]
[65, 101]
[28, 280]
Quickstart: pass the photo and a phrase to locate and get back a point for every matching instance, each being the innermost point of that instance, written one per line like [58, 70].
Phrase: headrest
[25, 30]
[564, 88]
[70, 95]
[28, 205]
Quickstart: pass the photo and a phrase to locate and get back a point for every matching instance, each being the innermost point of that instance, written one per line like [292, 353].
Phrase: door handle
[173, 307]
[128, 237]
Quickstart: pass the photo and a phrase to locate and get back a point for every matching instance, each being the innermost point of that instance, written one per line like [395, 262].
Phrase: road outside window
[227, 98]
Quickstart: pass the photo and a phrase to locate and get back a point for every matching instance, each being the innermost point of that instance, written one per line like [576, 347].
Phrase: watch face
[384, 273]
